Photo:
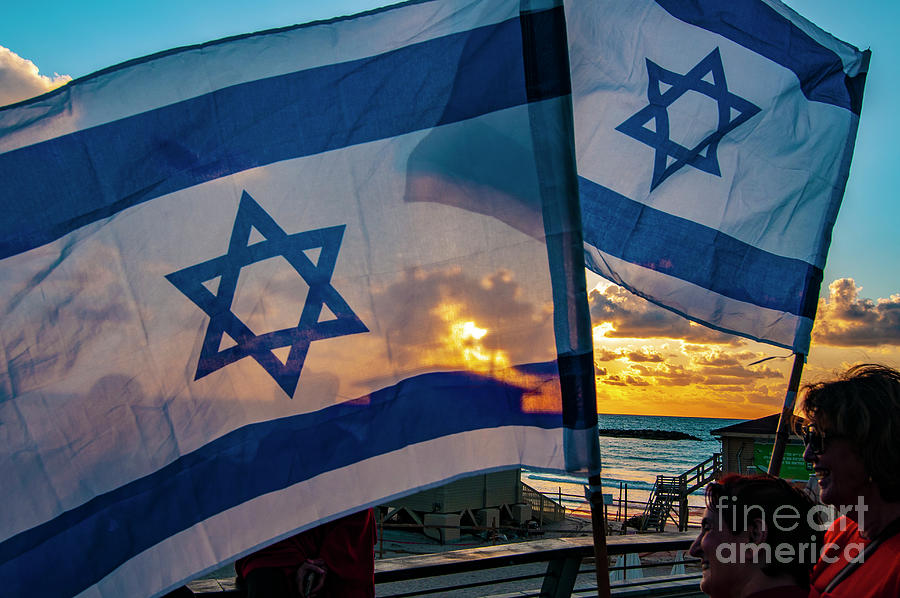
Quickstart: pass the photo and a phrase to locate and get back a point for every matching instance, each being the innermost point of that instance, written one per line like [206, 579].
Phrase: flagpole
[545, 58]
[787, 415]
[598, 523]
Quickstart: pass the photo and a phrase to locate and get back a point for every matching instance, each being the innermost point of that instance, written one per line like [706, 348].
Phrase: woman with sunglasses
[853, 443]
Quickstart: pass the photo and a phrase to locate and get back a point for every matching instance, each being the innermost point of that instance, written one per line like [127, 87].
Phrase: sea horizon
[636, 462]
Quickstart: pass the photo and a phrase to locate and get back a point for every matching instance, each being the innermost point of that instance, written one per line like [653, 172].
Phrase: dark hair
[863, 404]
[740, 499]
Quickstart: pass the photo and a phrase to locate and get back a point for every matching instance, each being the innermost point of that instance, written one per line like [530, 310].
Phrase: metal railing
[543, 508]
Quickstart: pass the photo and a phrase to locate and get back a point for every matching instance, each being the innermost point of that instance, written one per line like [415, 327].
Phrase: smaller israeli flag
[714, 143]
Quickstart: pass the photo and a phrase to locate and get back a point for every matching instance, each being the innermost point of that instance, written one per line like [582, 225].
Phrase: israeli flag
[254, 285]
[714, 142]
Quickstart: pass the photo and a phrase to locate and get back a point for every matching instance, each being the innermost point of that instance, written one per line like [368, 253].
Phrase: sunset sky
[649, 361]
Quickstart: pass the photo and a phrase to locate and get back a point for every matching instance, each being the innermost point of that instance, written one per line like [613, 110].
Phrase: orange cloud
[643, 355]
[708, 373]
[718, 358]
[631, 316]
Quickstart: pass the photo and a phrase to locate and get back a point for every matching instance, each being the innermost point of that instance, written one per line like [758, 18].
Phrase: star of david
[657, 110]
[227, 268]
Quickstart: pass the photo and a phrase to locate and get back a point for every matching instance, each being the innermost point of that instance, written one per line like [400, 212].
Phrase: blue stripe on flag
[88, 542]
[758, 27]
[54, 187]
[695, 253]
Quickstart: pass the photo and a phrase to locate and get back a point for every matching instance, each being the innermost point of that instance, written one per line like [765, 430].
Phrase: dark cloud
[605, 355]
[845, 319]
[717, 360]
[738, 371]
[634, 317]
[614, 380]
[671, 375]
[635, 381]
[643, 356]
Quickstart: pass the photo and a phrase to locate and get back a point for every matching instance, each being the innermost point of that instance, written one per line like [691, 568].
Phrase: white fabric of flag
[261, 283]
[713, 143]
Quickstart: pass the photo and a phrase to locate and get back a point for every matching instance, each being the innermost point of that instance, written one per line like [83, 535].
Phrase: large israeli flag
[258, 284]
[714, 142]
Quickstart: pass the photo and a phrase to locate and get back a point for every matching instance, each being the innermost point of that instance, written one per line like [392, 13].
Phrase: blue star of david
[657, 109]
[227, 267]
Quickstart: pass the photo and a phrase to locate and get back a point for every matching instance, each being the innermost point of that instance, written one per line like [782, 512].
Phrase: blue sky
[78, 38]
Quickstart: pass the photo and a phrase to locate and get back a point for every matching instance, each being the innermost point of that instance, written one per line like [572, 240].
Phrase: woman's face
[720, 553]
[840, 470]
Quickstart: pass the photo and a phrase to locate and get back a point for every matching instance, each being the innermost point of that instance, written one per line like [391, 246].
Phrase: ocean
[635, 461]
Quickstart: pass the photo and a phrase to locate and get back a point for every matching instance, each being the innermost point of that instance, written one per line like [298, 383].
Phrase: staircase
[669, 491]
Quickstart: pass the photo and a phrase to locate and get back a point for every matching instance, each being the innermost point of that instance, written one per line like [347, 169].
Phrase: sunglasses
[815, 439]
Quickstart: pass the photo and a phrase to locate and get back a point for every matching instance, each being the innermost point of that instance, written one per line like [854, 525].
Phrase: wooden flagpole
[598, 523]
[787, 415]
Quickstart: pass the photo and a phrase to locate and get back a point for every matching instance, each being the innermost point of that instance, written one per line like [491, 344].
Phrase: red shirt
[781, 592]
[346, 545]
[877, 577]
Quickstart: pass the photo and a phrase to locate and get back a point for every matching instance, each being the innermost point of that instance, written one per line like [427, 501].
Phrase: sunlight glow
[465, 337]
[600, 330]
[463, 345]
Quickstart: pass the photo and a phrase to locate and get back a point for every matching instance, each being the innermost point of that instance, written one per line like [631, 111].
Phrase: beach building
[479, 501]
[747, 447]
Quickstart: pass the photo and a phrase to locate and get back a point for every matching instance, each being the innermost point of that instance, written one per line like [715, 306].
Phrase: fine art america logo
[218, 305]
[787, 518]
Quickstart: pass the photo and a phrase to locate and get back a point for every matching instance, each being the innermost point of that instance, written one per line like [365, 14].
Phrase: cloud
[845, 319]
[20, 78]
[668, 374]
[614, 380]
[721, 359]
[644, 355]
[601, 354]
[676, 375]
[633, 317]
[426, 306]
[731, 376]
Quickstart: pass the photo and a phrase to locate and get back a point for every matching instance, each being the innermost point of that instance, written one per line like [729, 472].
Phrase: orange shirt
[877, 577]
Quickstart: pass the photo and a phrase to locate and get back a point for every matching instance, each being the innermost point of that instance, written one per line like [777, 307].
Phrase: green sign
[793, 467]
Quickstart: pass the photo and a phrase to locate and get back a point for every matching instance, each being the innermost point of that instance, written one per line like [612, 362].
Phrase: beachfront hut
[747, 446]
[480, 499]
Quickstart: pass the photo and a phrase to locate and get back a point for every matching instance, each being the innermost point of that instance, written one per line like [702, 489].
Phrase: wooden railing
[450, 571]
[702, 473]
[669, 492]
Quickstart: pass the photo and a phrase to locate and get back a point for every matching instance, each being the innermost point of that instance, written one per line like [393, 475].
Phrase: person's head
[852, 434]
[756, 530]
